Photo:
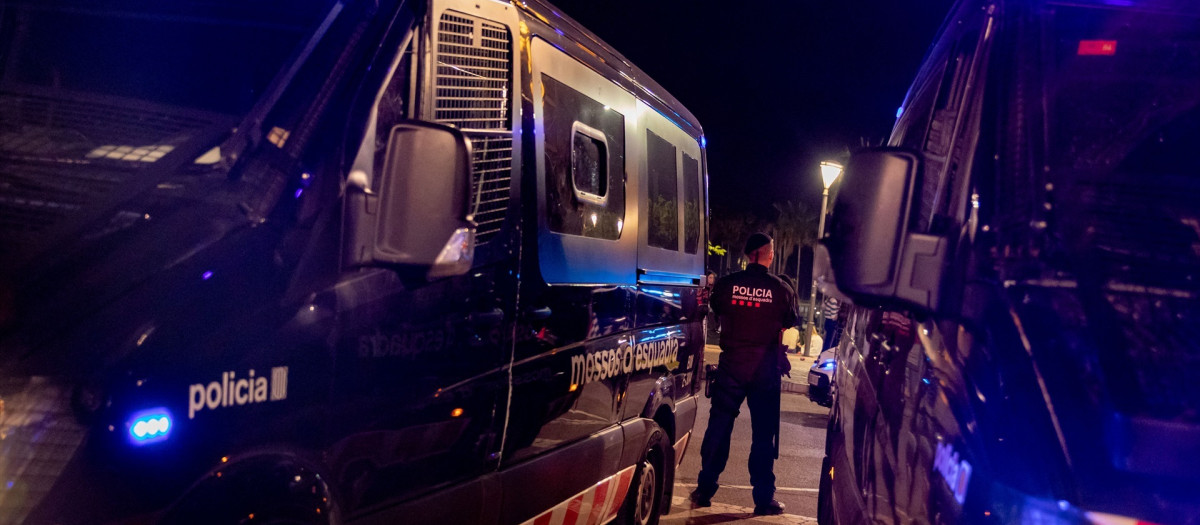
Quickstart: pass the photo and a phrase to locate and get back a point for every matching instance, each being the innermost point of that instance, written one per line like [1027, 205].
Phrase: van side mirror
[420, 217]
[870, 256]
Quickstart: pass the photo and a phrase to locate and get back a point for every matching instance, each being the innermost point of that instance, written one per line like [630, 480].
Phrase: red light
[1097, 47]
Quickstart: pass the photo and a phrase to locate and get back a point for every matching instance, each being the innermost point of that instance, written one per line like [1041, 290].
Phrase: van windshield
[1123, 162]
[209, 55]
[94, 93]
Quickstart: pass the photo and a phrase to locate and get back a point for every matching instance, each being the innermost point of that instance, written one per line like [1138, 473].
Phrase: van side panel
[597, 354]
[422, 384]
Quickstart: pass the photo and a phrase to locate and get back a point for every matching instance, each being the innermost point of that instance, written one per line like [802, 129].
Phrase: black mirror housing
[870, 256]
[420, 217]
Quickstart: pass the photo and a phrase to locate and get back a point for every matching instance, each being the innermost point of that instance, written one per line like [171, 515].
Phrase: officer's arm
[792, 312]
[719, 300]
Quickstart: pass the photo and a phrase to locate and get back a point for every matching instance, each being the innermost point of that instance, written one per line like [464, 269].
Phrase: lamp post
[829, 173]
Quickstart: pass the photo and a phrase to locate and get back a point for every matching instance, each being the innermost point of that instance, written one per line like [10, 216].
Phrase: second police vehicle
[1024, 261]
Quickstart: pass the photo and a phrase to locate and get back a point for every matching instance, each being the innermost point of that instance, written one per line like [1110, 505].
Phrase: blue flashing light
[9, 485]
[899, 111]
[206, 276]
[703, 142]
[662, 293]
[925, 380]
[559, 31]
[827, 364]
[298, 192]
[150, 426]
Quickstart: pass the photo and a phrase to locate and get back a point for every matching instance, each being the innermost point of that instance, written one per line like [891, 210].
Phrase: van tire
[644, 502]
[825, 495]
[267, 490]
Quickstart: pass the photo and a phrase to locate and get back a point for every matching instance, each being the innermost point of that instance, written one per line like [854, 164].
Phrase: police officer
[753, 308]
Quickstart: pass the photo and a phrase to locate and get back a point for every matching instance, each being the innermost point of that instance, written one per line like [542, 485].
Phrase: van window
[585, 164]
[691, 204]
[589, 164]
[954, 79]
[664, 193]
[394, 106]
[931, 113]
[473, 86]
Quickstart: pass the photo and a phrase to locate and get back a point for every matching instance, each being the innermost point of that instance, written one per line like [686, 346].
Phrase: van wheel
[268, 490]
[644, 502]
[825, 495]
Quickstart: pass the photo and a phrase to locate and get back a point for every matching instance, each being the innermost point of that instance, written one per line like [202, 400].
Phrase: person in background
[791, 336]
[703, 297]
[753, 307]
[830, 308]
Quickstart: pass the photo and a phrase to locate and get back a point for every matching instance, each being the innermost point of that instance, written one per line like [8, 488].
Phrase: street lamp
[829, 173]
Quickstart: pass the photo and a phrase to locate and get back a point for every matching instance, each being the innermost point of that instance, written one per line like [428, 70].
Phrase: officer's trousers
[762, 395]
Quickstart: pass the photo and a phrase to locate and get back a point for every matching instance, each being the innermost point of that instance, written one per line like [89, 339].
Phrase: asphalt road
[802, 443]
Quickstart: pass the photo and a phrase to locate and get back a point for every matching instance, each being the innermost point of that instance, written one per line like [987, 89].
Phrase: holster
[710, 375]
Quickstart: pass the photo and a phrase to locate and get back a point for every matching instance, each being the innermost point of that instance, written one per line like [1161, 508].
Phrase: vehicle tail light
[1097, 47]
[1011, 506]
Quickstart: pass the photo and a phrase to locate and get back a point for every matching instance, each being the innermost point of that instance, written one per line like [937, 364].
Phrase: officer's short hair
[756, 241]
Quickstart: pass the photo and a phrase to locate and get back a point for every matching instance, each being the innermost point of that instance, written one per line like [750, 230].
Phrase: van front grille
[38, 437]
[473, 92]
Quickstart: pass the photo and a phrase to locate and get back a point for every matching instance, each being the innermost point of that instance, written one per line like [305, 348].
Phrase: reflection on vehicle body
[820, 378]
[1028, 352]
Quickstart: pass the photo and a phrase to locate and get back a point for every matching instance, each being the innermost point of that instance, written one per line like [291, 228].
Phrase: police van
[334, 261]
[1024, 263]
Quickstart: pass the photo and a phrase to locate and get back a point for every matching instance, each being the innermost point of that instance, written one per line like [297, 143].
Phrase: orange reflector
[1110, 519]
[1097, 47]
[456, 412]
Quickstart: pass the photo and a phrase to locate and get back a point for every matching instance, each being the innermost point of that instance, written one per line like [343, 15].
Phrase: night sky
[778, 86]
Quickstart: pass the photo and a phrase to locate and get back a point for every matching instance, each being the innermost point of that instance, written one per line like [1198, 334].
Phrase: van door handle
[489, 318]
[539, 314]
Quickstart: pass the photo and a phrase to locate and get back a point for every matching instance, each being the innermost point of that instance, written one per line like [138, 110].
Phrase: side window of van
[671, 231]
[928, 124]
[692, 205]
[664, 193]
[472, 90]
[949, 94]
[394, 105]
[585, 164]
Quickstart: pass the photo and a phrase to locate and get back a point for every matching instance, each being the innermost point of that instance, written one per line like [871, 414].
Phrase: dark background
[777, 86]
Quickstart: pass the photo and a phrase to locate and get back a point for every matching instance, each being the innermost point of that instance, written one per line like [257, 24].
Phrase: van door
[670, 250]
[893, 455]
[422, 379]
[576, 298]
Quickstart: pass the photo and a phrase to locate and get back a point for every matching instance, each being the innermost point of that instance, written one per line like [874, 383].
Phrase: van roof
[604, 56]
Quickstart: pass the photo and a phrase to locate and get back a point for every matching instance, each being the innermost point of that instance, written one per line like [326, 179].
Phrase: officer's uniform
[753, 307]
